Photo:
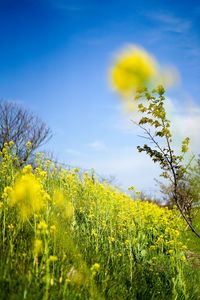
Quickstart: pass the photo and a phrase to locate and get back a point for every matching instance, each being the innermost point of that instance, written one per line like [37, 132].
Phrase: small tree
[156, 128]
[26, 131]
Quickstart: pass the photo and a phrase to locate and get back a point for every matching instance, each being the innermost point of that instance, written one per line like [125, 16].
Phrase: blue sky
[54, 59]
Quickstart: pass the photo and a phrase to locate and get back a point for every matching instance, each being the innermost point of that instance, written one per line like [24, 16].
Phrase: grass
[65, 235]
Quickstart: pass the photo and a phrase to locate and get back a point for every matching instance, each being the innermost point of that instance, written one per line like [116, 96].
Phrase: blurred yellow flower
[27, 195]
[58, 198]
[42, 226]
[37, 249]
[134, 68]
[63, 203]
[95, 267]
[11, 226]
[53, 229]
[53, 258]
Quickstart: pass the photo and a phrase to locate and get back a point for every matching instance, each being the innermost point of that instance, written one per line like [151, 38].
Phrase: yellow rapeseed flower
[27, 169]
[10, 226]
[53, 229]
[38, 245]
[134, 68]
[42, 226]
[27, 195]
[29, 145]
[63, 203]
[53, 258]
[58, 198]
[95, 267]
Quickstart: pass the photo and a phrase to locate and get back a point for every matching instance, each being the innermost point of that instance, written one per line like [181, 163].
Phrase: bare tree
[22, 127]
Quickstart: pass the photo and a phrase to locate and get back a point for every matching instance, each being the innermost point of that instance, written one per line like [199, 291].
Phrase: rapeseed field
[66, 235]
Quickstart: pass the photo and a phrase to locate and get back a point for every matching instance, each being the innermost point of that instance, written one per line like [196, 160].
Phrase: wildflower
[7, 191]
[134, 68]
[11, 144]
[95, 267]
[53, 229]
[61, 202]
[27, 196]
[126, 242]
[51, 281]
[42, 226]
[11, 226]
[42, 174]
[69, 210]
[29, 145]
[94, 233]
[53, 258]
[37, 249]
[152, 247]
[111, 239]
[60, 279]
[58, 198]
[27, 169]
[48, 163]
[183, 258]
[184, 247]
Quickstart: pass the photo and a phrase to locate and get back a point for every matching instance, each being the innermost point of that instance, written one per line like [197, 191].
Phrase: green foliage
[157, 129]
[155, 117]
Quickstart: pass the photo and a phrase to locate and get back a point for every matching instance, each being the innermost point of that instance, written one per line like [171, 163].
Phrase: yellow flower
[11, 143]
[127, 242]
[53, 229]
[63, 203]
[184, 247]
[27, 169]
[7, 191]
[95, 267]
[42, 226]
[69, 210]
[10, 226]
[58, 198]
[111, 239]
[37, 249]
[29, 145]
[27, 195]
[134, 68]
[53, 258]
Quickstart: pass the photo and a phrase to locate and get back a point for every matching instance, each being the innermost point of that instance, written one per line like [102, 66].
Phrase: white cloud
[172, 23]
[97, 145]
[185, 120]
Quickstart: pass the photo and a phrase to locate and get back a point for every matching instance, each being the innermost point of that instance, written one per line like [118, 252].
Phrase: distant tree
[188, 188]
[23, 128]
